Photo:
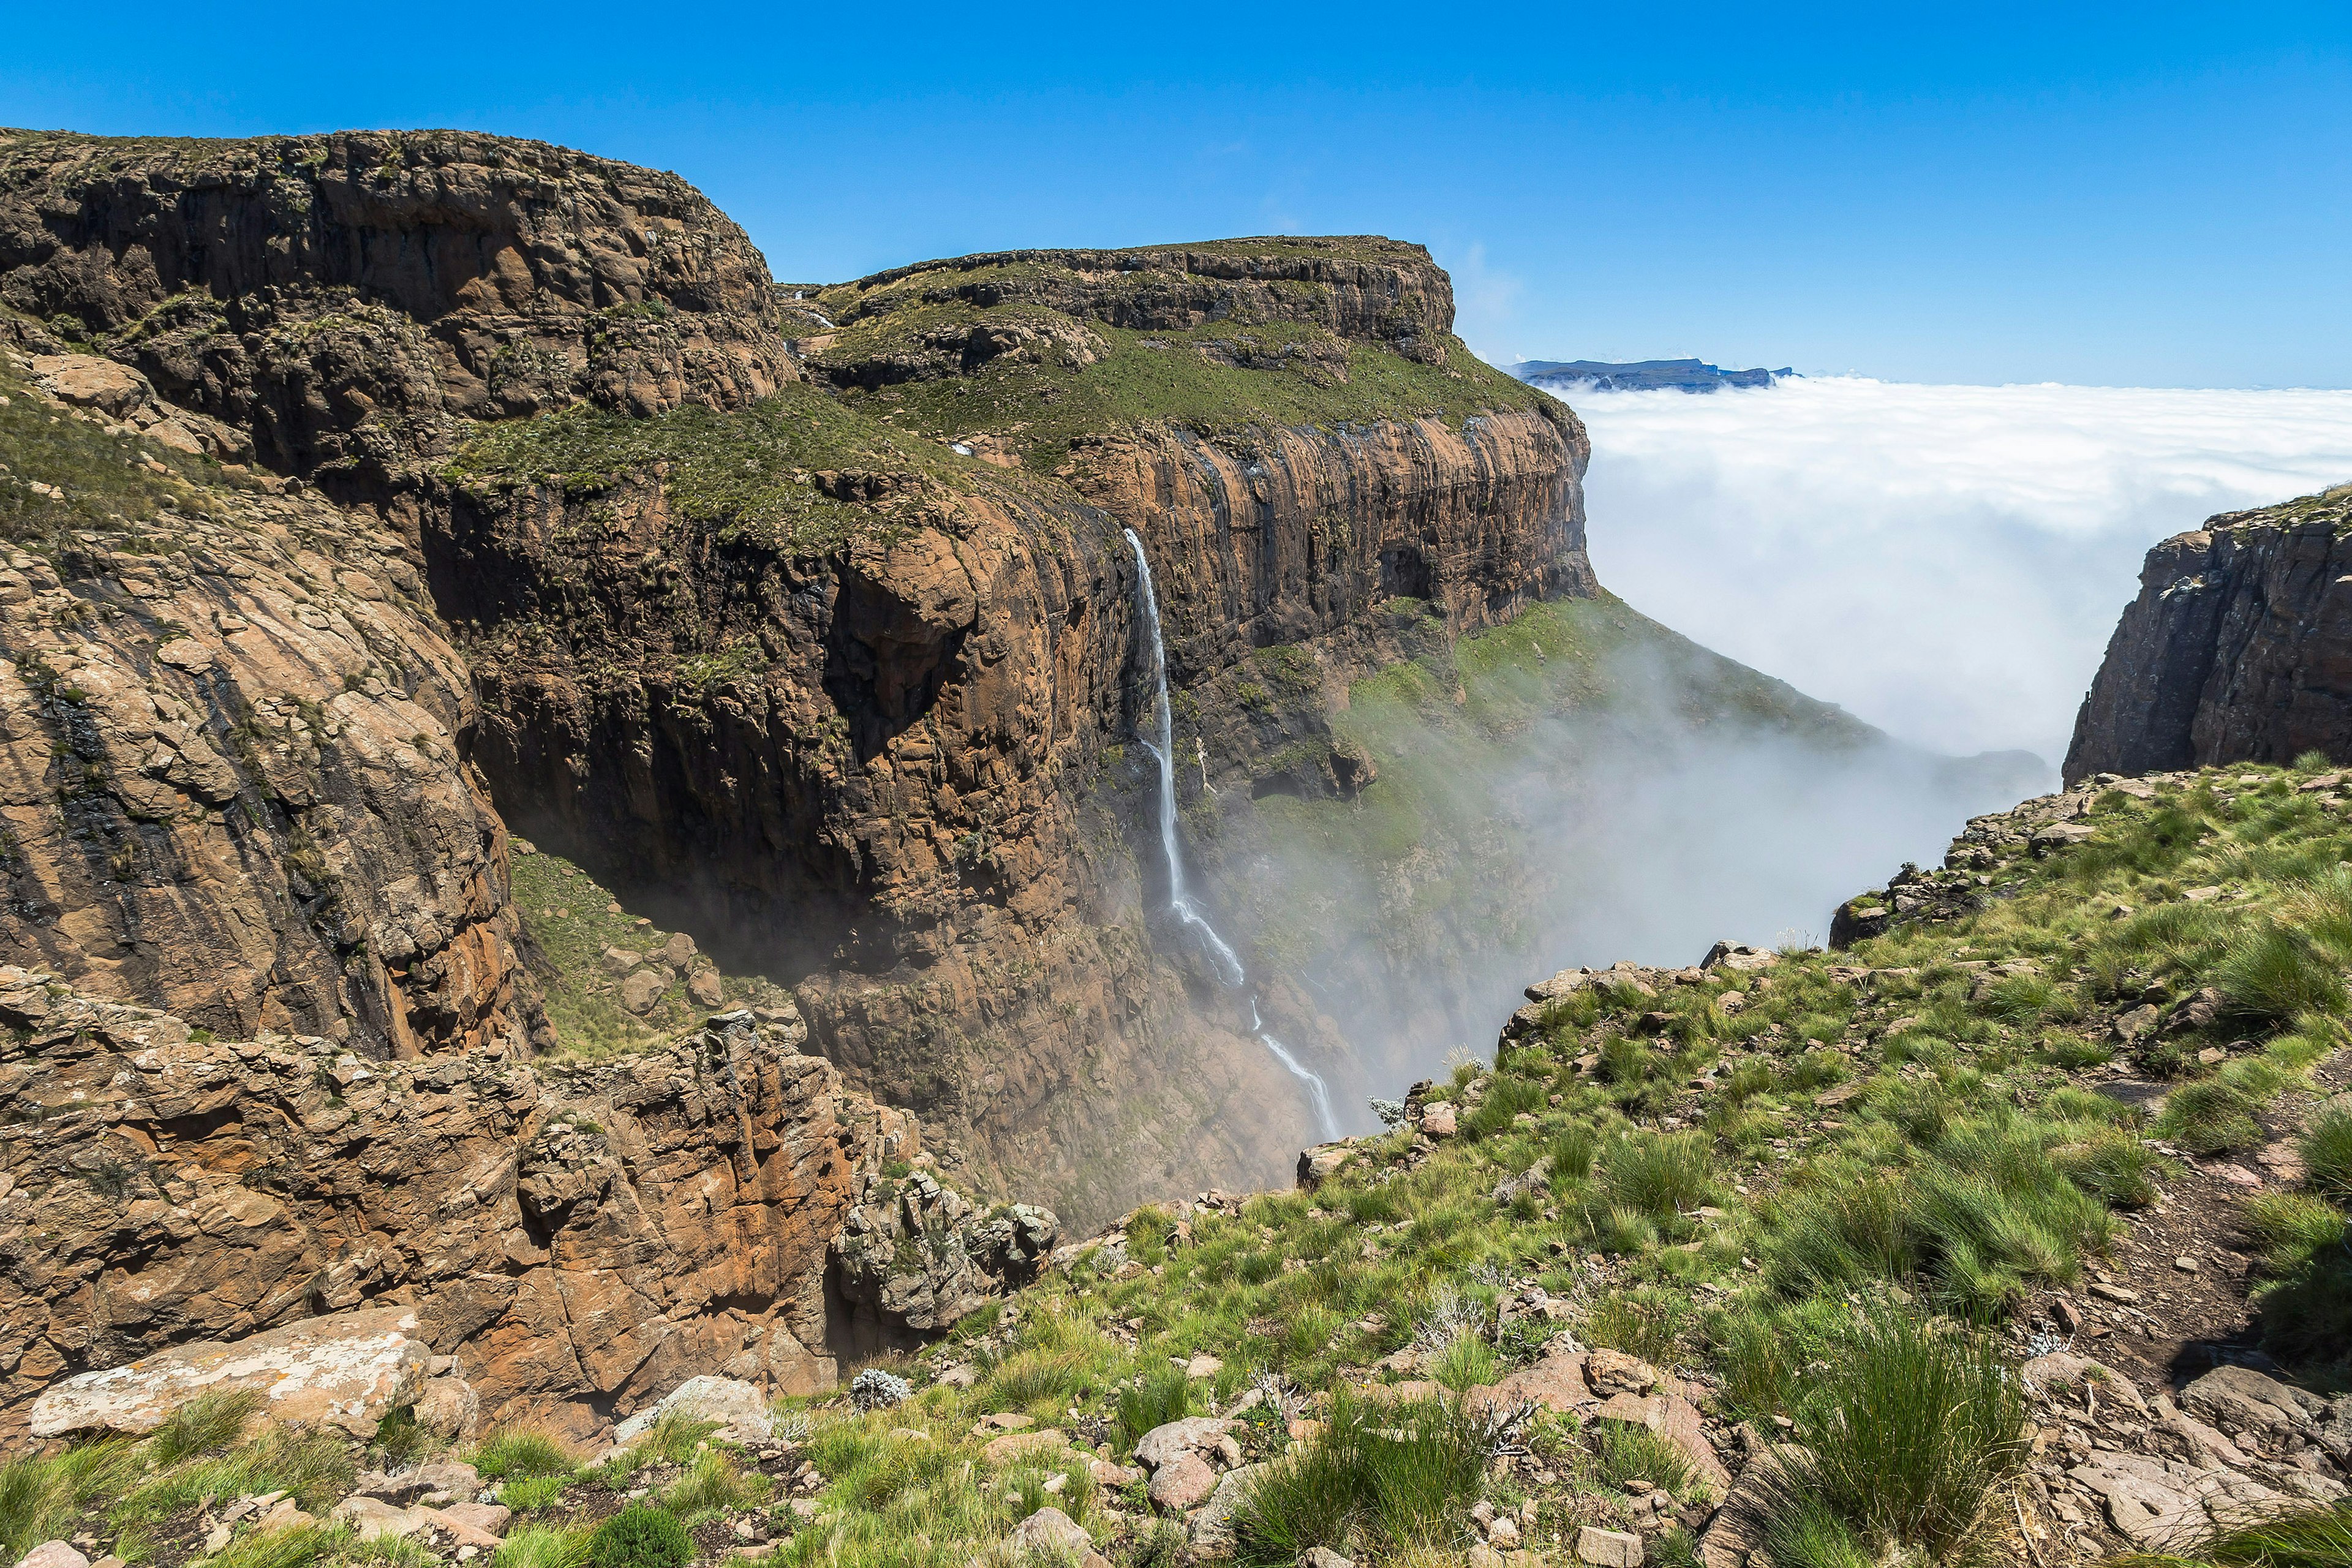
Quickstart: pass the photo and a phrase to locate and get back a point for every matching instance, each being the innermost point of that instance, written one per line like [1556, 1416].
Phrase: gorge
[624, 831]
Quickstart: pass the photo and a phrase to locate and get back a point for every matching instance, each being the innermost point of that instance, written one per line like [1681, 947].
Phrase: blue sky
[2152, 196]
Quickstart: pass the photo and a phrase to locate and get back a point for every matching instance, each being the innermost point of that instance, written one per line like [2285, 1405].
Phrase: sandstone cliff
[2238, 647]
[230, 743]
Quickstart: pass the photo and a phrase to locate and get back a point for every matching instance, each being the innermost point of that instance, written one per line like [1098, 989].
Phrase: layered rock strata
[2238, 647]
[576, 1240]
[231, 757]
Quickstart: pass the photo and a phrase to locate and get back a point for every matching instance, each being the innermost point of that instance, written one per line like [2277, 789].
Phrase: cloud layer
[1946, 562]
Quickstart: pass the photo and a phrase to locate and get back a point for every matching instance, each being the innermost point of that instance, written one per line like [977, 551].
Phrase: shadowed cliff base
[2238, 647]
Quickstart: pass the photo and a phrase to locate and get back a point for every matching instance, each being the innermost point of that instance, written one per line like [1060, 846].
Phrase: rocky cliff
[576, 1239]
[2238, 647]
[802, 618]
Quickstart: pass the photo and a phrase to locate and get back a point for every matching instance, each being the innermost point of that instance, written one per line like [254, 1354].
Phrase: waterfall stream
[1161, 745]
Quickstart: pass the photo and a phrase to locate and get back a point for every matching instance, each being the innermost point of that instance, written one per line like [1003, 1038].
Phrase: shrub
[1393, 1477]
[2327, 1156]
[519, 1452]
[1166, 1396]
[1914, 1428]
[875, 1389]
[640, 1537]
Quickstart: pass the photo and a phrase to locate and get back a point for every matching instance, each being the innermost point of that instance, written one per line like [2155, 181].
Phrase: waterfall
[1162, 747]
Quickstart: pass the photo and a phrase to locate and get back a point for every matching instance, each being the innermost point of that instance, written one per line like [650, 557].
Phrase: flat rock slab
[1557, 1382]
[740, 1408]
[1212, 1529]
[345, 1370]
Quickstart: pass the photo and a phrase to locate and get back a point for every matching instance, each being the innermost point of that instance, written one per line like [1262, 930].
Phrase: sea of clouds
[1945, 562]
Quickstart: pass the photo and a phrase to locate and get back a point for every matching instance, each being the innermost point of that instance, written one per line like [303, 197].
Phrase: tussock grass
[2314, 1537]
[1906, 1442]
[1166, 1396]
[543, 1546]
[521, 1452]
[1391, 1479]
[2326, 1148]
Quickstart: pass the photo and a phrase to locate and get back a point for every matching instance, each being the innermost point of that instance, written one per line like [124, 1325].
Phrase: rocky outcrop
[349, 299]
[2238, 647]
[1363, 286]
[576, 1240]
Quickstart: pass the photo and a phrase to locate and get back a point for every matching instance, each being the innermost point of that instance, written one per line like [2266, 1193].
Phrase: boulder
[53, 1554]
[1319, 1164]
[1171, 1441]
[345, 1370]
[2065, 1371]
[489, 1518]
[1437, 1121]
[1555, 1382]
[2240, 1399]
[1050, 1532]
[1608, 1548]
[1212, 1529]
[373, 1519]
[641, 991]
[1183, 1483]
[678, 951]
[1614, 1372]
[739, 1407]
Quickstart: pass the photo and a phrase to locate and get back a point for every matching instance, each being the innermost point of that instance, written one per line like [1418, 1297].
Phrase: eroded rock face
[2238, 647]
[232, 777]
[577, 1240]
[348, 297]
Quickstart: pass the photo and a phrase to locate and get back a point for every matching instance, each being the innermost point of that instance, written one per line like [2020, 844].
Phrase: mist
[1945, 562]
[1942, 562]
[1666, 800]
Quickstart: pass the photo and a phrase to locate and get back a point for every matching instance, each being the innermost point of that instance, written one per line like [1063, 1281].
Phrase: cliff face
[230, 741]
[349, 299]
[822, 649]
[2238, 647]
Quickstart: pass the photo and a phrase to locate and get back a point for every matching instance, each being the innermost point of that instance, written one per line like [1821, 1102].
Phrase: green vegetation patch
[755, 472]
[576, 929]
